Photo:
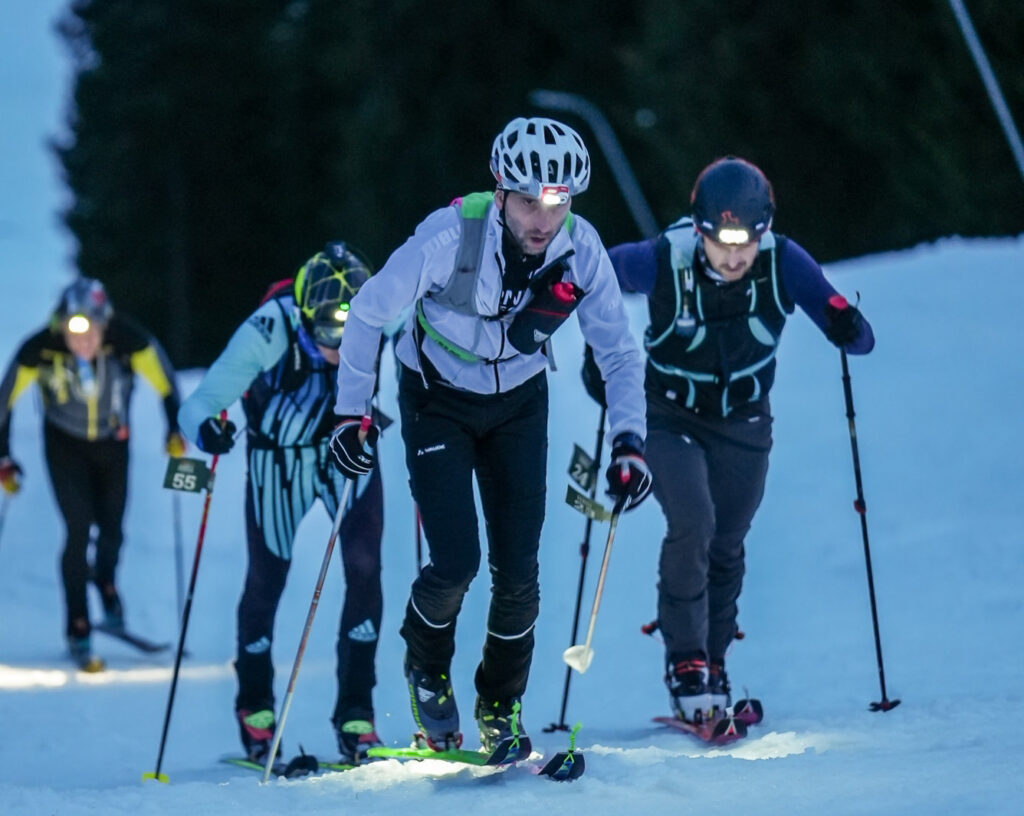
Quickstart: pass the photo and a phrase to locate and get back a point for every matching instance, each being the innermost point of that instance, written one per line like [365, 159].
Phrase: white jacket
[425, 262]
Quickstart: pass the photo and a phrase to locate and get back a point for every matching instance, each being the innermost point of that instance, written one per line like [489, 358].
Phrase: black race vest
[711, 346]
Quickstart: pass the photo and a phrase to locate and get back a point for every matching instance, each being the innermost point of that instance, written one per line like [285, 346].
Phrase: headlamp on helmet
[83, 304]
[728, 235]
[324, 288]
[733, 202]
[554, 195]
[541, 158]
[78, 324]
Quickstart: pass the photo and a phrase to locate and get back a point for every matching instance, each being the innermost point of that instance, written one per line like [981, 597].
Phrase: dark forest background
[216, 144]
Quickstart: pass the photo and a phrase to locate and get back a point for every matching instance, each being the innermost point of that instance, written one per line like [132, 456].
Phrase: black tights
[90, 483]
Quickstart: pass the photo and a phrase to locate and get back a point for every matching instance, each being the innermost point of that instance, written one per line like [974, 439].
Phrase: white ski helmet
[540, 158]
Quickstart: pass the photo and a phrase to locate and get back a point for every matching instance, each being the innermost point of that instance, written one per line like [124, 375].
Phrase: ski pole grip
[364, 424]
[838, 302]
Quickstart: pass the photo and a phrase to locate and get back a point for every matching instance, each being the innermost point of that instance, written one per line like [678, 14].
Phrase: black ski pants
[502, 438]
[90, 483]
[282, 486]
[709, 475]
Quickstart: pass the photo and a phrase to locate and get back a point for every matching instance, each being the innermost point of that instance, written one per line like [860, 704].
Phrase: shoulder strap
[682, 241]
[458, 293]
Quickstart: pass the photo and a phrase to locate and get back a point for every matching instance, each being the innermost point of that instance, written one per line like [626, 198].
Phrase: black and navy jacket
[711, 345]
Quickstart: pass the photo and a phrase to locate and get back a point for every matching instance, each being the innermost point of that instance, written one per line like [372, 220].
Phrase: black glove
[842, 321]
[352, 457]
[216, 437]
[10, 475]
[592, 379]
[629, 478]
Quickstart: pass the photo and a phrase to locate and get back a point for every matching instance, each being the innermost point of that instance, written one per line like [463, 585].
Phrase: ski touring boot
[257, 731]
[355, 738]
[502, 735]
[689, 694]
[434, 708]
[718, 687]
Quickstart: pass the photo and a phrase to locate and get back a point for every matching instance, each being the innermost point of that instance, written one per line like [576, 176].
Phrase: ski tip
[510, 751]
[564, 766]
[728, 729]
[301, 765]
[749, 710]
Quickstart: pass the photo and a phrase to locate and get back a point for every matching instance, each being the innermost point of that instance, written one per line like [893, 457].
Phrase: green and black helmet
[324, 287]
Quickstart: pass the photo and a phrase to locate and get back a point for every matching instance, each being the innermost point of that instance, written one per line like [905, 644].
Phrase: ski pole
[338, 516]
[561, 725]
[179, 555]
[885, 704]
[579, 657]
[185, 616]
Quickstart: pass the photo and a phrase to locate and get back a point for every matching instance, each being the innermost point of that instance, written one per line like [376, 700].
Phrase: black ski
[564, 766]
[142, 644]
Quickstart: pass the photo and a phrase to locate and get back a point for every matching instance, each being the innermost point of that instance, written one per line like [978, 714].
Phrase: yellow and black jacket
[88, 410]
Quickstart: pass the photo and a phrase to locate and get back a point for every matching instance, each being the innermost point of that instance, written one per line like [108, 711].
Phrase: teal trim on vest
[689, 311]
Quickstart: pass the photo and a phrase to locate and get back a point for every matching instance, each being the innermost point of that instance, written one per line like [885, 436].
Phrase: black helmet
[325, 285]
[83, 303]
[732, 201]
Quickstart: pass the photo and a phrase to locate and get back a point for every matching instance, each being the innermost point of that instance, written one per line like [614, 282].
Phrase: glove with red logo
[629, 478]
[354, 456]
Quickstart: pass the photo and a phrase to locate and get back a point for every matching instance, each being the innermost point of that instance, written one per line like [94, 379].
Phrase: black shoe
[257, 732]
[500, 721]
[718, 686]
[687, 681]
[434, 708]
[355, 738]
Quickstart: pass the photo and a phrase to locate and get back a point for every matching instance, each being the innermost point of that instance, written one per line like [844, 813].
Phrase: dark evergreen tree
[215, 146]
